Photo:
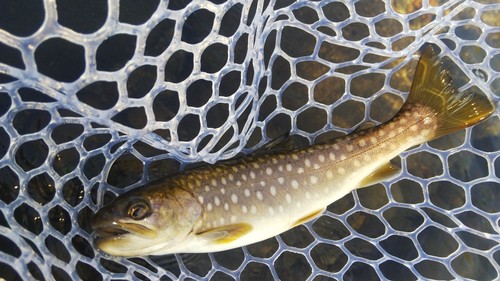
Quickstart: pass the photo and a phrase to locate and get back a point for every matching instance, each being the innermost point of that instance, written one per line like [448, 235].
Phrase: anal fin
[308, 217]
[382, 173]
[226, 234]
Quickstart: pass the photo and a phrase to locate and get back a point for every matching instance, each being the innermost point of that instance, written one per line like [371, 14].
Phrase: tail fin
[432, 88]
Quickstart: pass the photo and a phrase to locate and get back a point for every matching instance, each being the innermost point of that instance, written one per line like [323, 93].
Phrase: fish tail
[453, 111]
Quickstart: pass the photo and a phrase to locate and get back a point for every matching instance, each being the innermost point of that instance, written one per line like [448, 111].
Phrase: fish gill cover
[99, 97]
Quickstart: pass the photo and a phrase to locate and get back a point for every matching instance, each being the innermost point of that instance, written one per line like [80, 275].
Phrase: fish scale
[236, 203]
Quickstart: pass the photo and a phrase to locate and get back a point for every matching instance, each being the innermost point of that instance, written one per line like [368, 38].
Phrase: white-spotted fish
[228, 205]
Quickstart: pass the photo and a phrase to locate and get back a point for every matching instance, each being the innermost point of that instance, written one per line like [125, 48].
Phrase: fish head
[154, 218]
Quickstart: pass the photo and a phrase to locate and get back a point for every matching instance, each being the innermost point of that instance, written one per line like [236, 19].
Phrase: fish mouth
[126, 239]
[119, 230]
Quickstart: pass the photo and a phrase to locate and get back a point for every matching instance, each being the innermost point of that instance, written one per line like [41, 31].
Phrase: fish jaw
[128, 245]
[124, 238]
[132, 239]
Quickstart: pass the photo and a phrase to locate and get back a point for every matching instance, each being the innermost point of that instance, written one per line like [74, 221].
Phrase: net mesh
[98, 97]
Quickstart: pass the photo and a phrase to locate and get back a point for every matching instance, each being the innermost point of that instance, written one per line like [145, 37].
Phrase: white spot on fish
[341, 171]
[350, 148]
[222, 220]
[336, 147]
[244, 177]
[231, 177]
[244, 209]
[224, 181]
[217, 201]
[255, 165]
[329, 174]
[427, 120]
[362, 143]
[332, 156]
[343, 157]
[275, 161]
[316, 166]
[271, 210]
[307, 162]
[281, 180]
[200, 199]
[300, 170]
[226, 206]
[209, 207]
[289, 198]
[207, 188]
[392, 134]
[414, 128]
[280, 168]
[247, 192]
[235, 169]
[234, 198]
[252, 175]
[295, 184]
[238, 183]
[295, 157]
[373, 140]
[321, 158]
[253, 210]
[400, 130]
[289, 167]
[313, 179]
[269, 171]
[262, 183]
[403, 121]
[259, 195]
[273, 190]
[223, 190]
[233, 219]
[213, 182]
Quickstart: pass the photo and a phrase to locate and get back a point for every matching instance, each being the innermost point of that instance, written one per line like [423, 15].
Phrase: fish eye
[139, 209]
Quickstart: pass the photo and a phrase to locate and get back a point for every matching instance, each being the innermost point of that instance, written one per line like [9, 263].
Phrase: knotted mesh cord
[203, 81]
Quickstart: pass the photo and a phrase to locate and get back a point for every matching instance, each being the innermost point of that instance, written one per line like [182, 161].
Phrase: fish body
[232, 204]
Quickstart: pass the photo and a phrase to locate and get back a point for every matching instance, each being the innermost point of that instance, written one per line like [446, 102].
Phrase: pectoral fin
[227, 233]
[384, 172]
[308, 217]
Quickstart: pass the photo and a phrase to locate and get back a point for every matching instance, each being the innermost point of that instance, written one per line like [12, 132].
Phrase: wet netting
[98, 97]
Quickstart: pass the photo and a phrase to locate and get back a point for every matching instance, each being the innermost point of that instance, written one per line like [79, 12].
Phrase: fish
[232, 204]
